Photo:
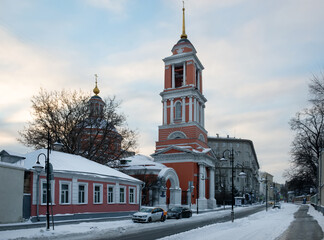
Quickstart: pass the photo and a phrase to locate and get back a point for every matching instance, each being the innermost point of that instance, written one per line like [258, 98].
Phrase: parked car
[149, 214]
[179, 212]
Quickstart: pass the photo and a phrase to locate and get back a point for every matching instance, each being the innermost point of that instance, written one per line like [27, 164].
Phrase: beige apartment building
[245, 160]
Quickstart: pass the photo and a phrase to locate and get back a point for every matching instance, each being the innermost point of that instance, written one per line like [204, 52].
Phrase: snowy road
[262, 225]
[177, 226]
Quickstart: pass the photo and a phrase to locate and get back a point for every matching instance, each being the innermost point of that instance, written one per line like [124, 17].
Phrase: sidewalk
[304, 227]
[66, 219]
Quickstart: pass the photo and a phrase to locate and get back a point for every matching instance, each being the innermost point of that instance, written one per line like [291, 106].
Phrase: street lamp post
[47, 182]
[38, 168]
[242, 174]
[57, 146]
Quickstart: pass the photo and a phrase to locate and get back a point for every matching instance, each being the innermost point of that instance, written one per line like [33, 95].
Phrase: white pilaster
[203, 116]
[171, 110]
[195, 109]
[165, 112]
[75, 191]
[183, 109]
[211, 203]
[198, 80]
[190, 108]
[184, 74]
[201, 181]
[195, 77]
[175, 197]
[211, 183]
[173, 85]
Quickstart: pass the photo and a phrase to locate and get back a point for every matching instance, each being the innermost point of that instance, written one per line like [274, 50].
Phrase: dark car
[179, 212]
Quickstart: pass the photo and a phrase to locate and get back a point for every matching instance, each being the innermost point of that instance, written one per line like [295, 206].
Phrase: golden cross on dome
[96, 89]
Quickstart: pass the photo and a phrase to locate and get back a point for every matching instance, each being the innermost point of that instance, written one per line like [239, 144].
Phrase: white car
[149, 214]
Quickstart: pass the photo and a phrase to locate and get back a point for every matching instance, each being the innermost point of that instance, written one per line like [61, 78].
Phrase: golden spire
[96, 89]
[183, 35]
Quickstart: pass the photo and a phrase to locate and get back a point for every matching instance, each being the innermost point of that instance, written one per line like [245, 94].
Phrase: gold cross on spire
[96, 89]
[183, 35]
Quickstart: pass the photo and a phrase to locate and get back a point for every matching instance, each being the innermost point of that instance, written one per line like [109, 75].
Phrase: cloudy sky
[258, 58]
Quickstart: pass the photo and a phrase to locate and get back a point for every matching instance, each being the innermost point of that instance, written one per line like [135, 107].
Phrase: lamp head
[38, 167]
[242, 174]
[58, 146]
[223, 159]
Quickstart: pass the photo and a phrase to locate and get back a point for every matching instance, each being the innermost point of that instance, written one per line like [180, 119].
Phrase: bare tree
[308, 125]
[99, 134]
[316, 89]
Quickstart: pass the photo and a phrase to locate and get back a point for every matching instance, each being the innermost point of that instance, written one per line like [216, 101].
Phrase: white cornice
[184, 157]
[188, 124]
[183, 92]
[178, 58]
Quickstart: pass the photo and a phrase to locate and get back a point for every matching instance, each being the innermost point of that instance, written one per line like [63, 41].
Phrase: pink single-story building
[79, 187]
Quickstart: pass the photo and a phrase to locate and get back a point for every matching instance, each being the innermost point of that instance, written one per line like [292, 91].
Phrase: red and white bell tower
[182, 142]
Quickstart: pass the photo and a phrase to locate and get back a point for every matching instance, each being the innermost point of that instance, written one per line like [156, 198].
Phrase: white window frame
[122, 187]
[134, 195]
[177, 110]
[113, 194]
[94, 193]
[69, 192]
[85, 192]
[42, 181]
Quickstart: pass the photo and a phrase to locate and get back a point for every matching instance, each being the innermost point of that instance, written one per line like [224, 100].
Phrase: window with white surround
[97, 193]
[43, 191]
[65, 192]
[122, 194]
[110, 193]
[178, 108]
[131, 195]
[82, 193]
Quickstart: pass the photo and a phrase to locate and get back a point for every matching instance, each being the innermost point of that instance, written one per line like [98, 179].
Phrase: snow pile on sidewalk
[317, 216]
[263, 225]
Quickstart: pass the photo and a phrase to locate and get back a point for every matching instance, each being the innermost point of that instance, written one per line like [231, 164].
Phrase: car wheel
[149, 220]
[163, 218]
[190, 215]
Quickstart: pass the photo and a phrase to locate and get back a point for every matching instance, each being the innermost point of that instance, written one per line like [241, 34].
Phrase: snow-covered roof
[140, 161]
[186, 148]
[64, 162]
[12, 153]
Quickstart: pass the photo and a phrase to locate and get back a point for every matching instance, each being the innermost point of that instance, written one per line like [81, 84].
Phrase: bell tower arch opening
[178, 70]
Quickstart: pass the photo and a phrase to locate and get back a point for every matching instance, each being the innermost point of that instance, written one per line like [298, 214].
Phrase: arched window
[178, 111]
[177, 135]
[201, 138]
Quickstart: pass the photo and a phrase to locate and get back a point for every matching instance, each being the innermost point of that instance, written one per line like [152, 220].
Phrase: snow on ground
[263, 225]
[317, 216]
